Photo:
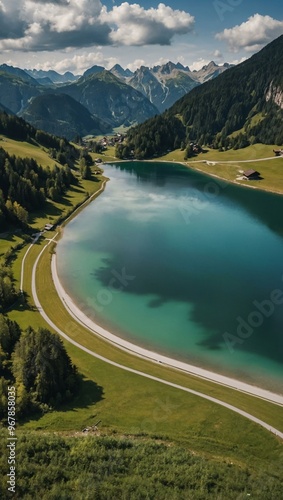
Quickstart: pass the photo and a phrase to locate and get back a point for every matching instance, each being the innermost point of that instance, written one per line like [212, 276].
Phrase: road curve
[131, 370]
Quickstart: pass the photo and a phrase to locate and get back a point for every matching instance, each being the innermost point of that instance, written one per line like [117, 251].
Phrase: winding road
[131, 370]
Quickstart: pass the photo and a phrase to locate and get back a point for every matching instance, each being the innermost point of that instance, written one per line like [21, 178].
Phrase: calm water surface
[185, 265]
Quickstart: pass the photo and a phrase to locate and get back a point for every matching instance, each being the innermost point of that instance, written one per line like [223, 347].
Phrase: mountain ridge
[111, 99]
[164, 84]
[115, 97]
[242, 106]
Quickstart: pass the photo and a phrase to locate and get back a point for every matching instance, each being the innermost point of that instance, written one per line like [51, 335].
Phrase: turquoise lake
[185, 265]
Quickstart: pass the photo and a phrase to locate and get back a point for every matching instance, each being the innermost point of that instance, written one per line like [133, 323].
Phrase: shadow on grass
[8, 236]
[23, 304]
[49, 210]
[88, 393]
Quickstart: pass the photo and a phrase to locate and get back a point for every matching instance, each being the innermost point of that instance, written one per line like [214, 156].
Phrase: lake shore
[204, 172]
[141, 352]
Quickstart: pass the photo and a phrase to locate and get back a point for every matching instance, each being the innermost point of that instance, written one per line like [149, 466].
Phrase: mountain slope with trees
[24, 184]
[106, 96]
[164, 84]
[61, 115]
[242, 106]
[15, 91]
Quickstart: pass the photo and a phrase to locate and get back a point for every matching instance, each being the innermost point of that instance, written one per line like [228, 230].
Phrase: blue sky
[76, 34]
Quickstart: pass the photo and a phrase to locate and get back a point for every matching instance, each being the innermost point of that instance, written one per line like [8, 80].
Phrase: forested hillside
[107, 97]
[24, 184]
[63, 116]
[242, 106]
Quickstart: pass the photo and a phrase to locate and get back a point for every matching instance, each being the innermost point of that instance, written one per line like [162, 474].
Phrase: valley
[164, 398]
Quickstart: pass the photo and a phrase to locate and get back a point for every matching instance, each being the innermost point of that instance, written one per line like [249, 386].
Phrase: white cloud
[136, 64]
[134, 25]
[79, 63]
[39, 25]
[238, 61]
[62, 16]
[253, 34]
[217, 54]
[199, 64]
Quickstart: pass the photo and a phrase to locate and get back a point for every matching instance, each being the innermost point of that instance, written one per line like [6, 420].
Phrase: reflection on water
[202, 252]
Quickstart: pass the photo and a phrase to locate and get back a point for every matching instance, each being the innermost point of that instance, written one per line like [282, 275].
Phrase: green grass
[129, 404]
[27, 150]
[107, 155]
[74, 196]
[271, 170]
[250, 153]
[107, 466]
[8, 240]
[256, 119]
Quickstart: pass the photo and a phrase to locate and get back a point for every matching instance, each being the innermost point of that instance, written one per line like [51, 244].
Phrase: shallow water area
[185, 265]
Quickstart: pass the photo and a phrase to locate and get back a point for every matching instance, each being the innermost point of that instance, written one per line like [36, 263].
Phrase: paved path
[40, 233]
[131, 370]
[235, 161]
[24, 258]
[83, 319]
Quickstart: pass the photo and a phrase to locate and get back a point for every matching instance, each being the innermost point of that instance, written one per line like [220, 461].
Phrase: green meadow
[129, 406]
[213, 162]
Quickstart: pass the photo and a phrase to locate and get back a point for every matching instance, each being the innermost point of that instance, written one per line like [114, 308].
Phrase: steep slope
[94, 69]
[163, 88]
[112, 100]
[3, 108]
[18, 72]
[16, 92]
[210, 71]
[243, 105]
[164, 85]
[63, 116]
[120, 72]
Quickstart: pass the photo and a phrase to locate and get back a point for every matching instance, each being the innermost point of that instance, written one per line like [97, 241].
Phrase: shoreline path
[81, 319]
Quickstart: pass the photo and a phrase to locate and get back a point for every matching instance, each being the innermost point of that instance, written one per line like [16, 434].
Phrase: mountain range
[163, 85]
[107, 99]
[242, 106]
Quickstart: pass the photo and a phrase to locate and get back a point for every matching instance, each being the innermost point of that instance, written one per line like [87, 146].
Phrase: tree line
[25, 185]
[18, 129]
[37, 364]
[152, 138]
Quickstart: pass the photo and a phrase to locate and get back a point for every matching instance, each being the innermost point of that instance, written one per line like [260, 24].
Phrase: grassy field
[212, 163]
[8, 240]
[98, 466]
[250, 153]
[107, 155]
[27, 150]
[129, 404]
[74, 197]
